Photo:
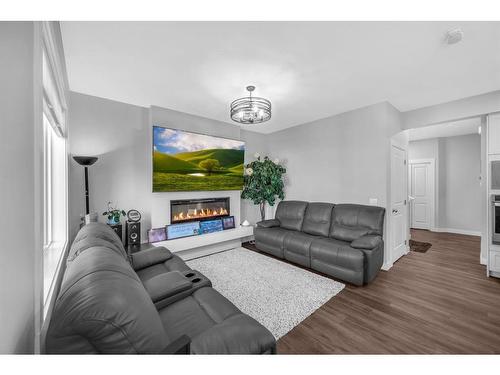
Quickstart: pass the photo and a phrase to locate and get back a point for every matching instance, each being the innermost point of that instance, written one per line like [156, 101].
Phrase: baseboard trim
[387, 267]
[457, 231]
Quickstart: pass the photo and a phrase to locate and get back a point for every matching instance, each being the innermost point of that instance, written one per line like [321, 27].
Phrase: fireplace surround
[184, 210]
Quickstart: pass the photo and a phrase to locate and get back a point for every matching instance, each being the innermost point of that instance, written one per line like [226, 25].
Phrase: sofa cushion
[89, 242]
[238, 334]
[173, 264]
[296, 247]
[215, 325]
[317, 220]
[102, 307]
[351, 221]
[291, 214]
[149, 257]
[337, 252]
[368, 241]
[166, 285]
[93, 232]
[269, 223]
[271, 240]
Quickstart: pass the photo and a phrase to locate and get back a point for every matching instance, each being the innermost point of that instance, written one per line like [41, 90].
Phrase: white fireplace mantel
[210, 243]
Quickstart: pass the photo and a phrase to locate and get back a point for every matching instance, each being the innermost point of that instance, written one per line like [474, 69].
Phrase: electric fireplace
[198, 209]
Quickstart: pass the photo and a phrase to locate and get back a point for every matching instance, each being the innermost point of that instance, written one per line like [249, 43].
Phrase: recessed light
[454, 36]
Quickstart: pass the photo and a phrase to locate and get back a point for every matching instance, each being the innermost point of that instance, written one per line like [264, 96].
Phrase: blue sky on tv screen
[171, 141]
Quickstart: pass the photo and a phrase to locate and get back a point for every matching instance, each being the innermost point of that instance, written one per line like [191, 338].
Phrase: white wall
[462, 156]
[18, 166]
[458, 192]
[120, 135]
[457, 109]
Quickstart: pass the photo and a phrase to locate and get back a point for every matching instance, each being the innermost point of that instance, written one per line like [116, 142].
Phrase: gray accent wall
[120, 135]
[340, 159]
[458, 189]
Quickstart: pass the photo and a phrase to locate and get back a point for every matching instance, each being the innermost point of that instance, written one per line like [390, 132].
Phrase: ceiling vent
[454, 36]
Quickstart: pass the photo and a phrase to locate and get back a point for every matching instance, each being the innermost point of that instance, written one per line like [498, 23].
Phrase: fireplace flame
[203, 213]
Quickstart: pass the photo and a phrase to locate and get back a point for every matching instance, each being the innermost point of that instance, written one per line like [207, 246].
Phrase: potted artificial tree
[263, 182]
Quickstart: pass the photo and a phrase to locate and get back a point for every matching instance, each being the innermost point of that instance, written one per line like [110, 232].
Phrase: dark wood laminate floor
[438, 302]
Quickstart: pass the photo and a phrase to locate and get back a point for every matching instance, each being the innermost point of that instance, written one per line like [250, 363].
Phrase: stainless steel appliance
[495, 201]
[495, 175]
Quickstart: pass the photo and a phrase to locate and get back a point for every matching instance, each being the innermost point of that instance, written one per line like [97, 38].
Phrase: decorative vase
[113, 221]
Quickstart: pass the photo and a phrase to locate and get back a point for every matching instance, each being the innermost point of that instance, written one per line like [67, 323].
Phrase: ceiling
[448, 129]
[309, 70]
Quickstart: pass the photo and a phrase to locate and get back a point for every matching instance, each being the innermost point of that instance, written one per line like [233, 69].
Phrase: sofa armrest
[367, 242]
[237, 334]
[166, 285]
[181, 345]
[269, 223]
[148, 257]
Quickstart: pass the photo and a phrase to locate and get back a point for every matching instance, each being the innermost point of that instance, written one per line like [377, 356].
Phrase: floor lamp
[86, 162]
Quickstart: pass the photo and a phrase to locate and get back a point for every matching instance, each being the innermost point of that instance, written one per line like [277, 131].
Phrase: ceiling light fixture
[250, 110]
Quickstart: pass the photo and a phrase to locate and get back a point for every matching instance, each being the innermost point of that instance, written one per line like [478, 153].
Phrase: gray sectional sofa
[343, 240]
[150, 302]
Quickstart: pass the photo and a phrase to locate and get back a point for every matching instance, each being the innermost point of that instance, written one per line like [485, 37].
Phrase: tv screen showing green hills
[184, 161]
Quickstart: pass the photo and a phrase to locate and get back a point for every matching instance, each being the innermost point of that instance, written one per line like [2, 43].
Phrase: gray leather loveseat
[150, 303]
[343, 240]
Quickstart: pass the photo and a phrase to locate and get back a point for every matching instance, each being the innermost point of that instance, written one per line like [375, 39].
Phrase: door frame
[432, 164]
[404, 148]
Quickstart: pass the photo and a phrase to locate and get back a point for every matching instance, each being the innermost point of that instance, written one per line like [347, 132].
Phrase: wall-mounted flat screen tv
[185, 161]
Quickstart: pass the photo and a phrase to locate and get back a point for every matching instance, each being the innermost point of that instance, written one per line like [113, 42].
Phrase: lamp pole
[86, 161]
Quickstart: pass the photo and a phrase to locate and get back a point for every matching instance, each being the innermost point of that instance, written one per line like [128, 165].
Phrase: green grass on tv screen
[177, 168]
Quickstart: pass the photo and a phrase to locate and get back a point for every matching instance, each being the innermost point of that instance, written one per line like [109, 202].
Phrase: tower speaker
[133, 233]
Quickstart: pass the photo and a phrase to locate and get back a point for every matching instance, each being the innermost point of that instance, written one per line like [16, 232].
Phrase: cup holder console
[197, 279]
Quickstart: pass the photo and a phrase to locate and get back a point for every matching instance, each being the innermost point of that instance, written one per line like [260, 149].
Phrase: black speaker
[133, 233]
[118, 230]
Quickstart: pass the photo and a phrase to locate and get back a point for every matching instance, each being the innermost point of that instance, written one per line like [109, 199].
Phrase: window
[55, 212]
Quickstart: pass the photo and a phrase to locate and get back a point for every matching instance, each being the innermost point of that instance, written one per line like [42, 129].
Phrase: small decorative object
[263, 182]
[180, 230]
[133, 216]
[228, 222]
[210, 226]
[157, 234]
[250, 110]
[245, 223]
[114, 215]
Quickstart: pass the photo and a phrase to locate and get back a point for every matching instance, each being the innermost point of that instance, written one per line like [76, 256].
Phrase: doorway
[422, 193]
[444, 182]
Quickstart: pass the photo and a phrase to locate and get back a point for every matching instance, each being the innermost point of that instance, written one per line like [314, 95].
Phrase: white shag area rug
[276, 294]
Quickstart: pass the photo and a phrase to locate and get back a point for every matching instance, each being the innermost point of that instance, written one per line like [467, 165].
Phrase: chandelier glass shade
[250, 110]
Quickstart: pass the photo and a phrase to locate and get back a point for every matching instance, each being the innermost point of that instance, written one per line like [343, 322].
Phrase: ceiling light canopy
[250, 110]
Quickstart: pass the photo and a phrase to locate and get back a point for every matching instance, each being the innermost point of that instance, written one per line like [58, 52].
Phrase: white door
[399, 174]
[422, 190]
